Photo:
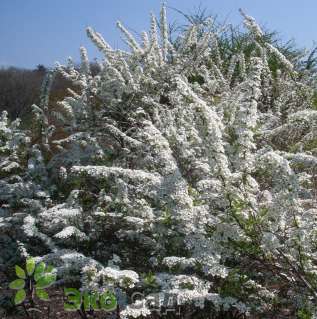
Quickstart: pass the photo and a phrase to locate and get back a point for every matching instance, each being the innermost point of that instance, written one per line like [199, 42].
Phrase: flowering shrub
[172, 172]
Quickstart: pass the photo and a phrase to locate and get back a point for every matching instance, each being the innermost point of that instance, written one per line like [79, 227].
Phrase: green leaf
[20, 272]
[38, 276]
[46, 280]
[30, 266]
[19, 296]
[42, 294]
[17, 284]
[50, 268]
[39, 271]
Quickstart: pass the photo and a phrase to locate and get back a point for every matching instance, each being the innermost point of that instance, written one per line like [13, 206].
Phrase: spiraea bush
[176, 170]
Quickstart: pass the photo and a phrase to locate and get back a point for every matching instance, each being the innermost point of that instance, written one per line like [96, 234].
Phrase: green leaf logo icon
[30, 266]
[46, 280]
[42, 294]
[17, 284]
[44, 277]
[50, 268]
[39, 271]
[19, 296]
[20, 272]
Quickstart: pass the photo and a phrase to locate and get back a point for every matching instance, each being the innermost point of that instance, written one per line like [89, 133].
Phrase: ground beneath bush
[54, 309]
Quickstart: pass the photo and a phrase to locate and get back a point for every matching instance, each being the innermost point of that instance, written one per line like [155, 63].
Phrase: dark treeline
[20, 88]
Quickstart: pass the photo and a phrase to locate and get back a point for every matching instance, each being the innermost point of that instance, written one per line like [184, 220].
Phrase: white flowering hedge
[171, 172]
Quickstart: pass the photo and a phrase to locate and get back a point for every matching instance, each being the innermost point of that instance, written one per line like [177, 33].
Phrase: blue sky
[36, 32]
